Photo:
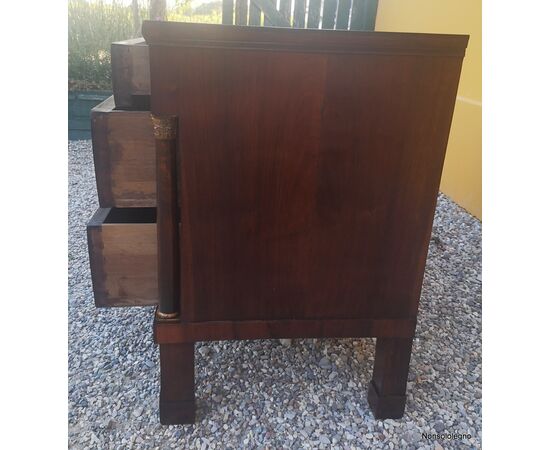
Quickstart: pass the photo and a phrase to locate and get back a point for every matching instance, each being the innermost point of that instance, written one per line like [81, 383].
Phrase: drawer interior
[131, 215]
[122, 244]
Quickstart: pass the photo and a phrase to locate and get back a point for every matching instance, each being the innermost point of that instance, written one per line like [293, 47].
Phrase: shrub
[95, 24]
[210, 12]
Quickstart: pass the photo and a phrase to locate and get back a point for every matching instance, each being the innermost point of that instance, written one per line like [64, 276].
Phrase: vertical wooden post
[241, 12]
[342, 16]
[313, 14]
[388, 387]
[136, 18]
[329, 14]
[255, 15]
[157, 9]
[299, 14]
[284, 9]
[372, 10]
[358, 16]
[165, 132]
[227, 12]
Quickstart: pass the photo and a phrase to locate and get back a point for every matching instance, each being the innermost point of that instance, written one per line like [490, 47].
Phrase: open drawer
[124, 156]
[130, 69]
[122, 243]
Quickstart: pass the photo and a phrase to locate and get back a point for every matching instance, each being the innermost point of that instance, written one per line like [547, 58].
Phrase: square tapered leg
[177, 383]
[387, 390]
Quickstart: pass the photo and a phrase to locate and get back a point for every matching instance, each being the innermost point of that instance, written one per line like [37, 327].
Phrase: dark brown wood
[165, 132]
[389, 380]
[329, 14]
[177, 383]
[296, 216]
[313, 13]
[299, 20]
[130, 74]
[124, 156]
[168, 333]
[342, 18]
[241, 12]
[309, 166]
[204, 36]
[227, 12]
[122, 246]
[130, 58]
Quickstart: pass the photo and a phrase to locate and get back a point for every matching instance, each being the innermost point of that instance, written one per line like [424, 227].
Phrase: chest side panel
[307, 180]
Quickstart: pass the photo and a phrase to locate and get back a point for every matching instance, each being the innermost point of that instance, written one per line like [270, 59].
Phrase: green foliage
[181, 9]
[95, 24]
[206, 13]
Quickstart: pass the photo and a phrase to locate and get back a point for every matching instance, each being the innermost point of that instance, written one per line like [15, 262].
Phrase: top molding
[302, 40]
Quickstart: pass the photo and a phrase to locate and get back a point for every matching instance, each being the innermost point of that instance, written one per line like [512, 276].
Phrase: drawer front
[122, 245]
[130, 74]
[124, 157]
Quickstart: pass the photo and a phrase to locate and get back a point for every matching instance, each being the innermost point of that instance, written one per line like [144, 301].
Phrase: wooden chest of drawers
[294, 175]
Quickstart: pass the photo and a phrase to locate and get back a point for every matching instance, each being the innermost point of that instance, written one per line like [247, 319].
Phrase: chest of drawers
[295, 176]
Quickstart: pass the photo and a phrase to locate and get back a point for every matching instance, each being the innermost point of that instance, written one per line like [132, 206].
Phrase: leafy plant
[210, 12]
[95, 24]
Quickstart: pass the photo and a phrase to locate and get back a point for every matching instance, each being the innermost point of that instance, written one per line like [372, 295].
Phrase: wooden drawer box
[124, 156]
[122, 243]
[130, 68]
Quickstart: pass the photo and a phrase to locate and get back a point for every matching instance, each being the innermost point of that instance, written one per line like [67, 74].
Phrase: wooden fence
[326, 14]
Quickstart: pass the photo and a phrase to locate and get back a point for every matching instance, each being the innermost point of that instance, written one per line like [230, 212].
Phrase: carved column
[165, 130]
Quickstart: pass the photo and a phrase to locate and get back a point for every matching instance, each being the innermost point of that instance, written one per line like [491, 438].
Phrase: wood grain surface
[124, 156]
[123, 257]
[308, 178]
[130, 74]
[308, 169]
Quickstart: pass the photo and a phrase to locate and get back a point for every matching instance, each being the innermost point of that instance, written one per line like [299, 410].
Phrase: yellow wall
[462, 171]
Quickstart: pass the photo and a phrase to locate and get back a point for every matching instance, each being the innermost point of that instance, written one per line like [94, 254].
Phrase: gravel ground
[262, 394]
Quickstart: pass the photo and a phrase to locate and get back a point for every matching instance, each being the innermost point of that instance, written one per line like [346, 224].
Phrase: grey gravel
[261, 394]
[439, 426]
[325, 363]
[286, 342]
